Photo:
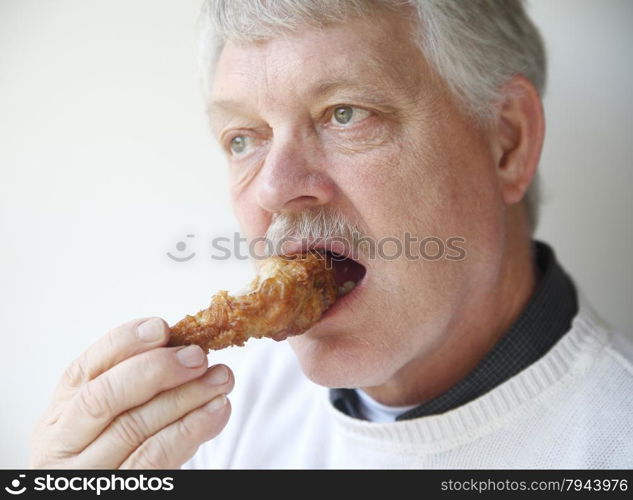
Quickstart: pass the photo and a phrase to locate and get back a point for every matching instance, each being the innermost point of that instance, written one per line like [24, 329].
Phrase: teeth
[347, 287]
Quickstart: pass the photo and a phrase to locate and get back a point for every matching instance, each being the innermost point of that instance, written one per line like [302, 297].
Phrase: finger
[176, 443]
[126, 385]
[130, 429]
[121, 343]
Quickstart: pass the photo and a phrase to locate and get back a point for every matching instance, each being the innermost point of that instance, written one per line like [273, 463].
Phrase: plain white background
[106, 163]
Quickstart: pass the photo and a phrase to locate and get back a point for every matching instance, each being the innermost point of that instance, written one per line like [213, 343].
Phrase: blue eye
[345, 115]
[238, 144]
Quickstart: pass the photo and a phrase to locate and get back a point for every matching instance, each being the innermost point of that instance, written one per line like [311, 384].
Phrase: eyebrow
[221, 111]
[321, 89]
[328, 87]
[369, 93]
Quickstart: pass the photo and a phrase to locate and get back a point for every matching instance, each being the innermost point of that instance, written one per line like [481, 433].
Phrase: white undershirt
[374, 411]
[571, 409]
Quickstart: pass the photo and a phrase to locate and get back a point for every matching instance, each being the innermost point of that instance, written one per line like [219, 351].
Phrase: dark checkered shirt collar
[542, 323]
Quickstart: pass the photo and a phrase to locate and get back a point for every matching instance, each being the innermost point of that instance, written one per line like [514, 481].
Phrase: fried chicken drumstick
[286, 298]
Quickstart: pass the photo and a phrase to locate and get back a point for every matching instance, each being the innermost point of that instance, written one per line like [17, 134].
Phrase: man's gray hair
[475, 46]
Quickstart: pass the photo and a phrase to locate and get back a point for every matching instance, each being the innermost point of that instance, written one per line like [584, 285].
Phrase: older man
[418, 119]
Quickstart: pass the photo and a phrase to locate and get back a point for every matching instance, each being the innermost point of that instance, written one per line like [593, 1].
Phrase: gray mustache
[322, 225]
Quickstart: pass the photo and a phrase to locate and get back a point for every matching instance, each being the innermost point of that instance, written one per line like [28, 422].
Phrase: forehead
[372, 52]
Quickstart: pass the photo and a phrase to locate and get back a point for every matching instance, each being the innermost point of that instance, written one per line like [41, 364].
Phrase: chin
[337, 361]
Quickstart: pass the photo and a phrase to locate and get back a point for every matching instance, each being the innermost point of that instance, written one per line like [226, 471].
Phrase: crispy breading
[287, 297]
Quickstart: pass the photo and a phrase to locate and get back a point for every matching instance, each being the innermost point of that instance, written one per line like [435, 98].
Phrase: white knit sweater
[573, 408]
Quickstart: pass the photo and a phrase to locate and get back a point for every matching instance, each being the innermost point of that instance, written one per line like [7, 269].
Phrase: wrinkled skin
[410, 160]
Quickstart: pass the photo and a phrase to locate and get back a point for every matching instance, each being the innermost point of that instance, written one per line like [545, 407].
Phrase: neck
[472, 334]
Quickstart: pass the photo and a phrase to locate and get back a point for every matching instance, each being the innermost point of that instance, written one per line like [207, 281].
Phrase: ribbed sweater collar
[567, 361]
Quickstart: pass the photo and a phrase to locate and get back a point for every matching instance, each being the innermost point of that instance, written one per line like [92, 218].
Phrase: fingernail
[191, 356]
[217, 376]
[216, 404]
[151, 330]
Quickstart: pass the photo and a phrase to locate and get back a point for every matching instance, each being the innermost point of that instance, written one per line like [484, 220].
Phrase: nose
[293, 176]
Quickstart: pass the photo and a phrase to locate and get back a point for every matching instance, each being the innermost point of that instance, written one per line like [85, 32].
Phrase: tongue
[347, 270]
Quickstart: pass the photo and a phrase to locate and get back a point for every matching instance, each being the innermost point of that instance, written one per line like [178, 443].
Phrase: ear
[518, 137]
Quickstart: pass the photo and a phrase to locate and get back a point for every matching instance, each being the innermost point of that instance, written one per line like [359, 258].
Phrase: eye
[239, 144]
[346, 115]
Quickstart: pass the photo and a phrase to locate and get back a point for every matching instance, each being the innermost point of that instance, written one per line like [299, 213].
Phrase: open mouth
[348, 273]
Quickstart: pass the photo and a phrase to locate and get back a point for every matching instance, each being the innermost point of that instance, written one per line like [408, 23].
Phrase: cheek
[470, 195]
[446, 178]
[366, 178]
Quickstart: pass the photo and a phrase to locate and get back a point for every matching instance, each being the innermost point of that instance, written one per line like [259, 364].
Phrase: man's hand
[129, 402]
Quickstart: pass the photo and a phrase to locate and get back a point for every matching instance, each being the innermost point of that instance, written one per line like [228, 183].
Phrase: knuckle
[130, 428]
[148, 365]
[155, 455]
[94, 399]
[181, 397]
[110, 340]
[186, 430]
[231, 383]
[75, 374]
[226, 415]
[154, 367]
[221, 423]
